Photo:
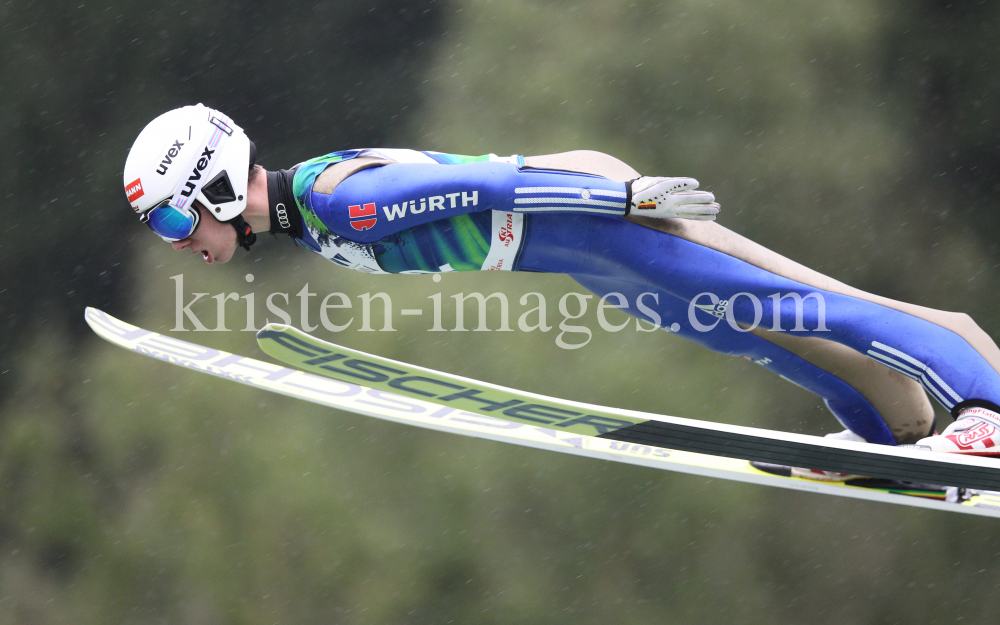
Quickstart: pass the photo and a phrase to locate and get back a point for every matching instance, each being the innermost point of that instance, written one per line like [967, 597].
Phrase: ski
[418, 412]
[303, 351]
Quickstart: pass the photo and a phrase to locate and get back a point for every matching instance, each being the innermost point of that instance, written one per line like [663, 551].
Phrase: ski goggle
[170, 222]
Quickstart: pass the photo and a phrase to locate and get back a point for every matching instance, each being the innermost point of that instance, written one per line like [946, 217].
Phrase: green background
[858, 138]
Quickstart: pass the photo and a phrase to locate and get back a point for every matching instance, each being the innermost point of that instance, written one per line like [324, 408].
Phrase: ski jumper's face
[213, 239]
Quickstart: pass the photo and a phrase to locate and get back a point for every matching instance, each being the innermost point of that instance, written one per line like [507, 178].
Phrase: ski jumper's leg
[851, 385]
[754, 289]
[957, 330]
[585, 162]
[857, 395]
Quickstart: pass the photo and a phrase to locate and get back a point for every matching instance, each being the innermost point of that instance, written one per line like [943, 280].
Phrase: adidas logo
[717, 310]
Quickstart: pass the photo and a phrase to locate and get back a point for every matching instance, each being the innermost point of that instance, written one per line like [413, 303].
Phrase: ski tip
[90, 314]
[270, 328]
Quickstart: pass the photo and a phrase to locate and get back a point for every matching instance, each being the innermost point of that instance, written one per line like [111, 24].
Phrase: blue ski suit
[871, 359]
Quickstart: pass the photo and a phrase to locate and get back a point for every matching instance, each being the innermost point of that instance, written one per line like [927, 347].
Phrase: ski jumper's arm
[403, 211]
[374, 203]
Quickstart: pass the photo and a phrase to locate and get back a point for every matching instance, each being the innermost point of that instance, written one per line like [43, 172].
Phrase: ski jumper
[871, 359]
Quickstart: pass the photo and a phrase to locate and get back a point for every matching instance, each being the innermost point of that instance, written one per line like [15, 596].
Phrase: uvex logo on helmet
[168, 158]
[200, 166]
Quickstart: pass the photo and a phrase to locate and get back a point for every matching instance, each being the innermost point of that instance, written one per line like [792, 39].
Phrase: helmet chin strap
[245, 236]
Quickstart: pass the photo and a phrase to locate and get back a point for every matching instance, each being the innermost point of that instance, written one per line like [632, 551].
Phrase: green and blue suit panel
[424, 216]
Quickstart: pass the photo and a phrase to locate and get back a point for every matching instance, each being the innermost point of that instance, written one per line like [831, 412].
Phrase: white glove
[666, 198]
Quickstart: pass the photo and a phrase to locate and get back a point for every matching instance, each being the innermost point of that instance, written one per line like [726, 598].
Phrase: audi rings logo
[282, 216]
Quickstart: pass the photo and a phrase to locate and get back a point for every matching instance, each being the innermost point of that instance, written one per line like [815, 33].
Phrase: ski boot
[975, 432]
[813, 474]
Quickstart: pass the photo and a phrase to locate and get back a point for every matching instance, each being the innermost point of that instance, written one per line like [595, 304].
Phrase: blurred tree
[941, 59]
[78, 83]
[191, 501]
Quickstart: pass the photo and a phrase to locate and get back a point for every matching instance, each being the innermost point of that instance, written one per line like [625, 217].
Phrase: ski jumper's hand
[374, 203]
[665, 198]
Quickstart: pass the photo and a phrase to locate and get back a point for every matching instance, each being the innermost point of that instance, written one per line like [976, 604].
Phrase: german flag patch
[647, 205]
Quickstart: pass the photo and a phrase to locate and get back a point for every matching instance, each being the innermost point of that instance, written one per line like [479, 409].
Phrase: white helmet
[191, 152]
